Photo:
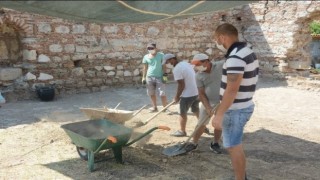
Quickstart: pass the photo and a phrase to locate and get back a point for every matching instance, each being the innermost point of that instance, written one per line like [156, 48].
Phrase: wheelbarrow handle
[146, 133]
[111, 139]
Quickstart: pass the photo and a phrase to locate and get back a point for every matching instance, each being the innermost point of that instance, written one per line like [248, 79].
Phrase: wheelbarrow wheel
[83, 153]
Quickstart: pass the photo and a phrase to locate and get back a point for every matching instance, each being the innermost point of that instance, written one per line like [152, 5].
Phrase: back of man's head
[227, 29]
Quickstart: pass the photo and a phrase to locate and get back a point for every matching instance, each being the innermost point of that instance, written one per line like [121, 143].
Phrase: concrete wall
[85, 57]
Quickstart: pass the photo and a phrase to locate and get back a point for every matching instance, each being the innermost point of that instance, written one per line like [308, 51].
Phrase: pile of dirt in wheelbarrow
[281, 140]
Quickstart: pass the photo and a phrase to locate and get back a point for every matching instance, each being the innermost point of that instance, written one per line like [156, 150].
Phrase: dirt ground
[281, 140]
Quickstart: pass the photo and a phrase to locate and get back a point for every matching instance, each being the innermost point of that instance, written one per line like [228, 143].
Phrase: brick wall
[85, 57]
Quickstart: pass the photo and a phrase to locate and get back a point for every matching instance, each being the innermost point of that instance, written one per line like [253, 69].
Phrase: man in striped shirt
[238, 84]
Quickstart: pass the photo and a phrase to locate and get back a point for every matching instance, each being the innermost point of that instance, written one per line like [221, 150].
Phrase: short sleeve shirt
[154, 64]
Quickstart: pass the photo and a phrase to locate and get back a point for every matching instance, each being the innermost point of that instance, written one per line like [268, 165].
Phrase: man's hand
[176, 100]
[165, 78]
[217, 122]
[209, 112]
[143, 81]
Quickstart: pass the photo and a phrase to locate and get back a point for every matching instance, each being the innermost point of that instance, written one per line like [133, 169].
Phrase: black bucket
[45, 93]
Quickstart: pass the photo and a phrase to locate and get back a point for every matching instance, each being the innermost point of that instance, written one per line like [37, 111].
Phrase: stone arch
[12, 30]
[17, 23]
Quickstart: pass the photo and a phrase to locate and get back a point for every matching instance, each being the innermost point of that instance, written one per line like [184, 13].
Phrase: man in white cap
[187, 92]
[208, 78]
[152, 75]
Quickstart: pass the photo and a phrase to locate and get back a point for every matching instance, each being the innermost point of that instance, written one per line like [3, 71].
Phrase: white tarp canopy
[119, 11]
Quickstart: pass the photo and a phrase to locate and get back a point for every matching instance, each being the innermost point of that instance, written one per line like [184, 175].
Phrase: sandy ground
[281, 140]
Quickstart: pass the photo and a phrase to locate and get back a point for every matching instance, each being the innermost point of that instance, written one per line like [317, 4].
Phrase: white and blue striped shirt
[241, 60]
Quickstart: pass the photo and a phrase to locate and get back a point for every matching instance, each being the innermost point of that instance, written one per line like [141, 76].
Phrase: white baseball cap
[198, 58]
[168, 56]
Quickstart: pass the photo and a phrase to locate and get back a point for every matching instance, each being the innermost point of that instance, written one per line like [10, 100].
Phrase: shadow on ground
[269, 156]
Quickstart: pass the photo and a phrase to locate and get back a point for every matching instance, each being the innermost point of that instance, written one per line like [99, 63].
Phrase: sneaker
[190, 147]
[168, 112]
[206, 130]
[215, 147]
[152, 110]
[179, 134]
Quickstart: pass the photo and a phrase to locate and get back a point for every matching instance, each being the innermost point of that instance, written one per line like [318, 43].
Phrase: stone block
[44, 27]
[43, 58]
[9, 74]
[111, 73]
[101, 74]
[29, 55]
[153, 31]
[44, 77]
[195, 52]
[90, 73]
[62, 29]
[94, 28]
[81, 49]
[98, 68]
[120, 73]
[209, 51]
[69, 48]
[111, 29]
[77, 72]
[127, 73]
[108, 68]
[78, 29]
[127, 29]
[29, 76]
[119, 67]
[78, 57]
[55, 48]
[29, 40]
[136, 72]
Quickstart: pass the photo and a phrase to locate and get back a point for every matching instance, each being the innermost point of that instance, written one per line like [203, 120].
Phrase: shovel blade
[174, 150]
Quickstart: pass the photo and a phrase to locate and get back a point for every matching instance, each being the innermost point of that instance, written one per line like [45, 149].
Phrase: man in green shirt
[153, 71]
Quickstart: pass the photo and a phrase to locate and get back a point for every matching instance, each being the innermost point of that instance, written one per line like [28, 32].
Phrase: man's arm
[164, 68]
[144, 72]
[204, 99]
[180, 89]
[229, 95]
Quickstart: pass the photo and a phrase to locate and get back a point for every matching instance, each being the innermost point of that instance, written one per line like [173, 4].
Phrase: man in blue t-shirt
[153, 71]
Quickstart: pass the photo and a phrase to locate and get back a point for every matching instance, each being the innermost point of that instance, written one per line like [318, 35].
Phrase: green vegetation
[315, 27]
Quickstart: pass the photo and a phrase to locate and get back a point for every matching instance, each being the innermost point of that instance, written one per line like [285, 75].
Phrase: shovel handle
[164, 128]
[137, 112]
[166, 107]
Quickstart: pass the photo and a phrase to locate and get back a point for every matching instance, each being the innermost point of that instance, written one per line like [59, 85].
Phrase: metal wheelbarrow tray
[92, 136]
[114, 115]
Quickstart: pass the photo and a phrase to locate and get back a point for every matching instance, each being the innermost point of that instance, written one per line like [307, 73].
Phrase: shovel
[179, 149]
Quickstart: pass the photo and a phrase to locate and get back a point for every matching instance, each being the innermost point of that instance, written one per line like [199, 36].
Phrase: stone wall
[85, 57]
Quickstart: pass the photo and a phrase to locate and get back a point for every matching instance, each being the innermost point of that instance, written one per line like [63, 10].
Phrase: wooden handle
[145, 122]
[164, 128]
[137, 112]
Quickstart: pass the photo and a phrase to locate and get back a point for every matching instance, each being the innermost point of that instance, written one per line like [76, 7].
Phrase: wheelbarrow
[92, 136]
[114, 115]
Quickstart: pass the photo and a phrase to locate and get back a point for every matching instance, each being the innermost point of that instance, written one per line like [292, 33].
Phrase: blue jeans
[233, 124]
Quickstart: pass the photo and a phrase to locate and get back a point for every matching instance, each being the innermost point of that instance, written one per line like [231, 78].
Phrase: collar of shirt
[233, 46]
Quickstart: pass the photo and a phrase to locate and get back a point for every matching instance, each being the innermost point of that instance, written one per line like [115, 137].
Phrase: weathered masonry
[87, 57]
